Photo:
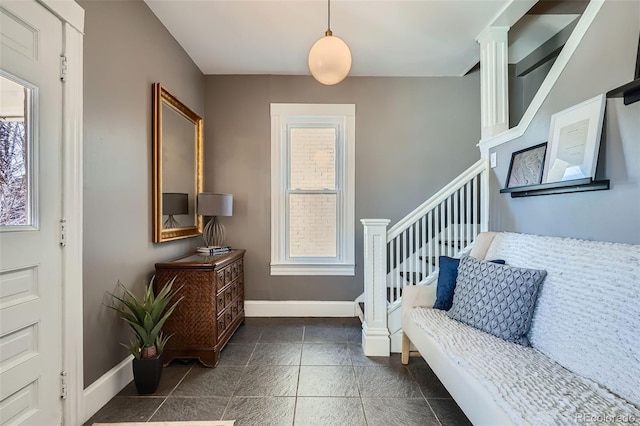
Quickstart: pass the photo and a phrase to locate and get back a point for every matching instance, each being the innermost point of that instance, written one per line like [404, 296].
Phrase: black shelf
[630, 92]
[576, 185]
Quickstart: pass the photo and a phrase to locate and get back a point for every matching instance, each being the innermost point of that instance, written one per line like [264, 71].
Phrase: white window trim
[282, 116]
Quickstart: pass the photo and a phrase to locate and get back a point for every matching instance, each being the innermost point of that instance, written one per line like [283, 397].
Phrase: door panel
[30, 255]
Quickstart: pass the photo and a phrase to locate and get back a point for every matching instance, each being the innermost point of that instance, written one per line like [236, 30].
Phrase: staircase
[447, 223]
[407, 253]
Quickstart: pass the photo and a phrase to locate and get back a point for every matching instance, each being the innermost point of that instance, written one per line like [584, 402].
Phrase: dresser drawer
[220, 302]
[221, 324]
[219, 280]
[228, 297]
[227, 275]
[235, 289]
[228, 318]
[234, 270]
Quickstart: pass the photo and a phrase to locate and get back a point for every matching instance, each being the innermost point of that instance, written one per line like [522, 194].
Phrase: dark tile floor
[294, 371]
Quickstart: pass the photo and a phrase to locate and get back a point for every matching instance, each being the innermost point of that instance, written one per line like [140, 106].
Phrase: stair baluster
[443, 225]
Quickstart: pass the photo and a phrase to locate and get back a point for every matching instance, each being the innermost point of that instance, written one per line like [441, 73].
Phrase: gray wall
[126, 49]
[604, 60]
[413, 135]
[523, 89]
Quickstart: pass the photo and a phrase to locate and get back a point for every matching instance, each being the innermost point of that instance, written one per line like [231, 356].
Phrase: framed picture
[574, 141]
[526, 166]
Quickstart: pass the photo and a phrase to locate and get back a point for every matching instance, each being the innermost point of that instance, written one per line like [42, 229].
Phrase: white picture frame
[574, 141]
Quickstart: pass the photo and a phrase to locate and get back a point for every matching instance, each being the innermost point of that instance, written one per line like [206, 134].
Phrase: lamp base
[213, 233]
[171, 222]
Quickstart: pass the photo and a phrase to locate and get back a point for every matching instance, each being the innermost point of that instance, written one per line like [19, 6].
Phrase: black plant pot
[146, 374]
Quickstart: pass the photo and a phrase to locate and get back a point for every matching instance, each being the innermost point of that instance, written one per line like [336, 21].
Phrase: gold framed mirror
[177, 167]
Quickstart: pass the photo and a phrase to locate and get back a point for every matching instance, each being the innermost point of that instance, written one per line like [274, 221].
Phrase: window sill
[313, 269]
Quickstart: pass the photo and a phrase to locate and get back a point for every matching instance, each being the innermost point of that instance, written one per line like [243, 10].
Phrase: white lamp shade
[210, 204]
[329, 60]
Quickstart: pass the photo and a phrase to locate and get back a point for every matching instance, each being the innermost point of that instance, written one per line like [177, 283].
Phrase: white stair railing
[443, 225]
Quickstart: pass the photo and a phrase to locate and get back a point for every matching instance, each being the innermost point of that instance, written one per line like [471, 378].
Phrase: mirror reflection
[177, 167]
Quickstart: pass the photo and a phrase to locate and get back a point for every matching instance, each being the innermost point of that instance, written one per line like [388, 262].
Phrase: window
[312, 189]
[17, 207]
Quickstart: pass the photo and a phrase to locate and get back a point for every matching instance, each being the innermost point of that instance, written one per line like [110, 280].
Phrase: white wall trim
[342, 118]
[313, 269]
[556, 70]
[73, 352]
[68, 11]
[106, 387]
[299, 308]
[72, 18]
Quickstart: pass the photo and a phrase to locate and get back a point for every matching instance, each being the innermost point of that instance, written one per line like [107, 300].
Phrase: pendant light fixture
[329, 57]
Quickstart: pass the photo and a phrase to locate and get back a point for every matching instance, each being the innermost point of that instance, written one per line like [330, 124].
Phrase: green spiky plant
[146, 317]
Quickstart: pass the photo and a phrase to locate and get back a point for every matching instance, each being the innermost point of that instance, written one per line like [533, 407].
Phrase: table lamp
[174, 203]
[214, 205]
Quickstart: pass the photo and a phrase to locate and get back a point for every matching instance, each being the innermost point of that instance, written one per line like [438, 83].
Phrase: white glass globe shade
[329, 60]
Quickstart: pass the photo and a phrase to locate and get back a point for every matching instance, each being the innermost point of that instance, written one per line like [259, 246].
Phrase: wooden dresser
[212, 308]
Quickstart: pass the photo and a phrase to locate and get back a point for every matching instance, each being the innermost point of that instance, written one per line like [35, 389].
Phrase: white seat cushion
[587, 315]
[524, 383]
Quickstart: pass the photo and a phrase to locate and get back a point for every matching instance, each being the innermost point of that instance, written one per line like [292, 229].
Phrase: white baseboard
[299, 308]
[106, 387]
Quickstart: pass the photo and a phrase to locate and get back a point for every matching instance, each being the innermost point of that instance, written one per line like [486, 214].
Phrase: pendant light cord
[328, 32]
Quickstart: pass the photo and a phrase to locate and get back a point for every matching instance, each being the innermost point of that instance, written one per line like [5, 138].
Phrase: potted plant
[146, 316]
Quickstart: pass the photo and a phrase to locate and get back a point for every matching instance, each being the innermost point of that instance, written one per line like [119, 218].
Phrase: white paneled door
[30, 212]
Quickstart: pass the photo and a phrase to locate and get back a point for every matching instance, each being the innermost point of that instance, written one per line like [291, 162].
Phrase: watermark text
[606, 418]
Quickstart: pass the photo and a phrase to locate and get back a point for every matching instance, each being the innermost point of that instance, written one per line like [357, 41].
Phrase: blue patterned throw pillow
[497, 299]
[447, 275]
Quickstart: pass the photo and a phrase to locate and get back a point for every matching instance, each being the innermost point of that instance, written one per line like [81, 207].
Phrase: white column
[375, 333]
[494, 81]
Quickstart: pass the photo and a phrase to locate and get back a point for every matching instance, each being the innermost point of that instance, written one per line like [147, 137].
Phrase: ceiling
[386, 38]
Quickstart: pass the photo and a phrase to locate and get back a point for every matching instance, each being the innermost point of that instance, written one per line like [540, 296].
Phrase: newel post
[375, 333]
